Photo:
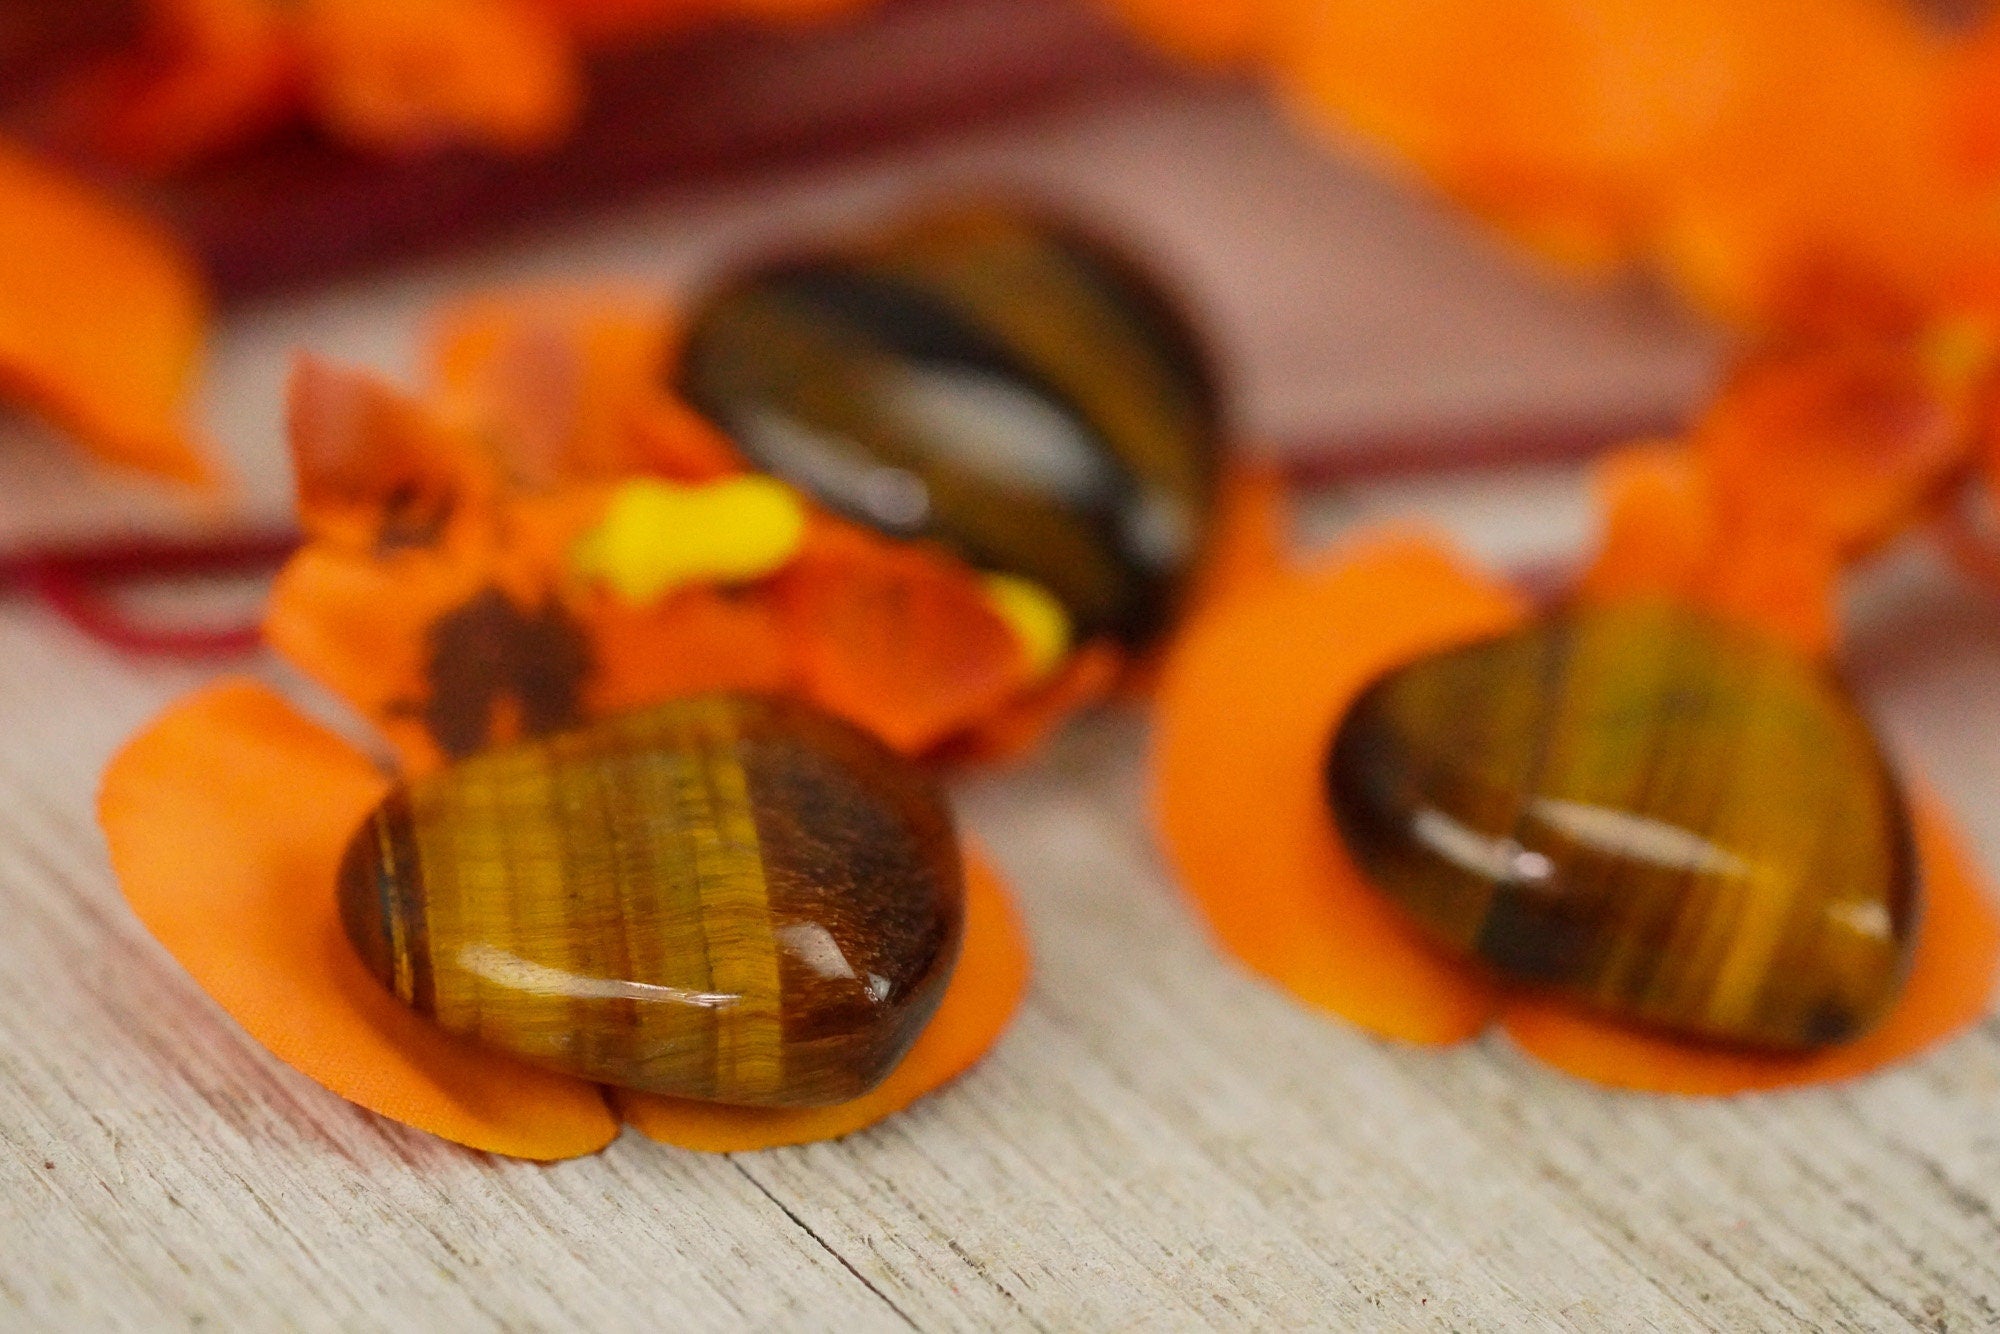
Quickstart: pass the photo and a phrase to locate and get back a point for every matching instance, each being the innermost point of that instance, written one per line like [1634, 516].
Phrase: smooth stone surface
[729, 898]
[988, 378]
[1668, 819]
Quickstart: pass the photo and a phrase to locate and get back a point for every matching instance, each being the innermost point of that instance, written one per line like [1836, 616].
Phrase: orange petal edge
[1248, 699]
[102, 319]
[226, 819]
[233, 874]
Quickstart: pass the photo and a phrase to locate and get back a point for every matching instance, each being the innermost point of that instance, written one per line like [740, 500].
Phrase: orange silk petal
[670, 438]
[1659, 525]
[1090, 675]
[1564, 157]
[1251, 537]
[101, 319]
[985, 990]
[1851, 437]
[391, 75]
[1668, 534]
[1770, 577]
[1975, 98]
[361, 626]
[376, 468]
[693, 640]
[1949, 987]
[1248, 701]
[897, 637]
[226, 820]
[572, 385]
[1723, 141]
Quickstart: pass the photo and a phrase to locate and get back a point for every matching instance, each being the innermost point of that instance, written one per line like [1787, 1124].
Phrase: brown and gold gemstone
[1669, 819]
[729, 898]
[987, 378]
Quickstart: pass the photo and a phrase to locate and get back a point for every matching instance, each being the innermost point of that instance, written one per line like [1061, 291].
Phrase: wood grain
[1161, 1142]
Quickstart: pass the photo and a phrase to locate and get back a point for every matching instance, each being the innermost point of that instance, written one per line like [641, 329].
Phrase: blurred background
[339, 169]
[1368, 332]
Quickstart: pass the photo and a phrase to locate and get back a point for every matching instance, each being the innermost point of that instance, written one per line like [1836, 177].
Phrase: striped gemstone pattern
[729, 898]
[987, 378]
[1668, 819]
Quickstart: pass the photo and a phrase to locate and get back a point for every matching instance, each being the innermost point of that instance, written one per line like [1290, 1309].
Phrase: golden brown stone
[1671, 820]
[729, 898]
[986, 378]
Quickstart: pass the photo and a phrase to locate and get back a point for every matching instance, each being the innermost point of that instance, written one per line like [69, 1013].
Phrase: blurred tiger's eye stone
[728, 898]
[988, 379]
[1660, 816]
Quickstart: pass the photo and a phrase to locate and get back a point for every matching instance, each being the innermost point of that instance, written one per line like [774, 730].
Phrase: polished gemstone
[728, 898]
[1666, 818]
[986, 378]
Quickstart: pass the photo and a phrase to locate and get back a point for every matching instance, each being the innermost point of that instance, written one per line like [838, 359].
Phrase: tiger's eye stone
[1665, 818]
[729, 898]
[988, 379]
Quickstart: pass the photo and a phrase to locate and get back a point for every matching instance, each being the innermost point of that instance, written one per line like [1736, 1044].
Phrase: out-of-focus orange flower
[545, 541]
[1731, 145]
[210, 76]
[213, 75]
[1815, 453]
[1257, 684]
[1824, 174]
[448, 543]
[390, 76]
[226, 820]
[101, 319]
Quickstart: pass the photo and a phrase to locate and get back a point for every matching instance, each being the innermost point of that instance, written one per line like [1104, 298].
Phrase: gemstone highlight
[1668, 819]
[728, 898]
[986, 378]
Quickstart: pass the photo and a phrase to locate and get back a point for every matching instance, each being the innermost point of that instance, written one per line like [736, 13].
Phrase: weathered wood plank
[1161, 1141]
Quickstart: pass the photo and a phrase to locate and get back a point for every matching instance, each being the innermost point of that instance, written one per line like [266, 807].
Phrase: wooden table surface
[1160, 1142]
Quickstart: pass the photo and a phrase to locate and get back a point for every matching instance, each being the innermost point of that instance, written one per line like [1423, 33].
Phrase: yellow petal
[1036, 618]
[656, 536]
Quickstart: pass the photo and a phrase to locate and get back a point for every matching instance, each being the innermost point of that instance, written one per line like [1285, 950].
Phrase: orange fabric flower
[443, 552]
[390, 76]
[101, 320]
[443, 593]
[226, 821]
[1817, 451]
[1729, 145]
[453, 589]
[1823, 175]
[211, 76]
[1255, 687]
